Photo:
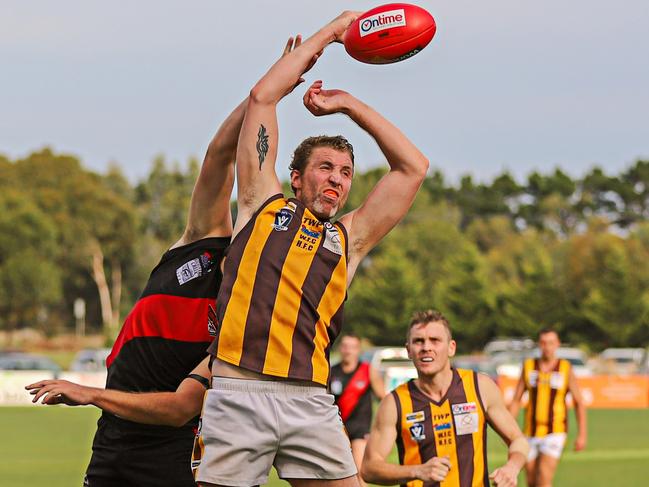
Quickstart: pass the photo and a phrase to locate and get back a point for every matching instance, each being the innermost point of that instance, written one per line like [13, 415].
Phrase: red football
[389, 33]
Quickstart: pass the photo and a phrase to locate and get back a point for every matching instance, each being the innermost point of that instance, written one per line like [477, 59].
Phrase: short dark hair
[303, 151]
[546, 330]
[429, 316]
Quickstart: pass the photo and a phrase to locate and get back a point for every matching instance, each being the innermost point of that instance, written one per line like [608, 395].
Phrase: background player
[164, 339]
[439, 420]
[353, 383]
[285, 281]
[547, 381]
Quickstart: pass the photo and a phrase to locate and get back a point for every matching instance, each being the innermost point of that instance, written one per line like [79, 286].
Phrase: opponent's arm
[505, 425]
[375, 467]
[580, 412]
[393, 195]
[377, 383]
[515, 405]
[257, 149]
[167, 408]
[209, 209]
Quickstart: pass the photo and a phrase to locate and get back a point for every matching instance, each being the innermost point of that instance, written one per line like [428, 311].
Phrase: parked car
[508, 345]
[622, 360]
[27, 361]
[393, 365]
[479, 363]
[90, 360]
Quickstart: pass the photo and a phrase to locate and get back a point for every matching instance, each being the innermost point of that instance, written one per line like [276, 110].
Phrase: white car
[393, 365]
[622, 360]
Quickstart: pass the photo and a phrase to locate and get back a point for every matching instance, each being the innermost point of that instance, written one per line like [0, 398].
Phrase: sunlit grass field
[51, 446]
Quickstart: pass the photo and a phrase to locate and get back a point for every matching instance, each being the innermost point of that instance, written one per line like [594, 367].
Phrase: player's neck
[349, 365]
[548, 363]
[436, 385]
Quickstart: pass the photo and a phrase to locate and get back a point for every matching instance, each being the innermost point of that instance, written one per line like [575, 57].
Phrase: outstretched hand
[340, 24]
[61, 392]
[291, 44]
[325, 102]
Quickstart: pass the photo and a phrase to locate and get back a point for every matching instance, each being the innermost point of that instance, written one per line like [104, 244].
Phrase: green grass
[51, 446]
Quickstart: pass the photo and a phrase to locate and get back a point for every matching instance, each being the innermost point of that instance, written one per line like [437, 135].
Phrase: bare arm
[257, 149]
[209, 209]
[515, 405]
[167, 408]
[375, 467]
[393, 195]
[377, 384]
[580, 412]
[505, 425]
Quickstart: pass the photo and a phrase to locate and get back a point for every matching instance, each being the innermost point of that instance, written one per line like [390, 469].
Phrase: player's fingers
[288, 47]
[43, 390]
[298, 41]
[37, 385]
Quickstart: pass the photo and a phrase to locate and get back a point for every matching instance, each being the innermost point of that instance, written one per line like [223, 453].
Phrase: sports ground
[51, 446]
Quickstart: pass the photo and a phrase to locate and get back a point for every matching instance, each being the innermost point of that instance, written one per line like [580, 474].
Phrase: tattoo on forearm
[262, 145]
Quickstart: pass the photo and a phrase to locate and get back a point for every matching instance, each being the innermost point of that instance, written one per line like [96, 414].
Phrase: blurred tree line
[498, 258]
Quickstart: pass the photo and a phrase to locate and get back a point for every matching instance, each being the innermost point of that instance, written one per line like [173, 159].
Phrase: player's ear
[296, 181]
[452, 346]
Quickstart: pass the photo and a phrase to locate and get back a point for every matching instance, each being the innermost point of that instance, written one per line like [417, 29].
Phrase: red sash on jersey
[354, 390]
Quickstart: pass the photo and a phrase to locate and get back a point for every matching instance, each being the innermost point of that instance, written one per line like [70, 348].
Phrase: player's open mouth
[427, 359]
[330, 193]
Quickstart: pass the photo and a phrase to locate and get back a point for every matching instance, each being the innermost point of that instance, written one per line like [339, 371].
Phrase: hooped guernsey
[280, 306]
[454, 427]
[546, 411]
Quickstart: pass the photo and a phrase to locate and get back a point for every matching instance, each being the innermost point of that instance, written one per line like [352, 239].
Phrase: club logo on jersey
[416, 417]
[211, 320]
[382, 21]
[442, 426]
[189, 270]
[332, 239]
[283, 217]
[417, 432]
[466, 407]
[309, 233]
[207, 261]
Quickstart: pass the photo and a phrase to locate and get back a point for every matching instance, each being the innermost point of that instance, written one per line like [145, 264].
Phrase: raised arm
[377, 470]
[580, 412]
[167, 408]
[209, 209]
[505, 425]
[393, 195]
[257, 149]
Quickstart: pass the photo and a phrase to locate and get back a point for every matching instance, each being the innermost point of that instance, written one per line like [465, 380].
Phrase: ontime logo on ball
[382, 21]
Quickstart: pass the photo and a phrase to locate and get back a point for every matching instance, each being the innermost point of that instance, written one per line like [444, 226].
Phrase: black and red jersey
[166, 334]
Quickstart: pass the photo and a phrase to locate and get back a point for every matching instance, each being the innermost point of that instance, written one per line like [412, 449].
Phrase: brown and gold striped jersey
[454, 427]
[280, 305]
[546, 409]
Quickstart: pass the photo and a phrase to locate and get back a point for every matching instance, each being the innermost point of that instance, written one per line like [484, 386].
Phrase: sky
[508, 85]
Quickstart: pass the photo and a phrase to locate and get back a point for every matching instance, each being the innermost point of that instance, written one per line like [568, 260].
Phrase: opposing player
[157, 370]
[439, 420]
[353, 383]
[547, 381]
[285, 280]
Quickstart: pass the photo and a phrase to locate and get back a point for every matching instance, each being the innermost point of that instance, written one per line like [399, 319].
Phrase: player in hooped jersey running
[158, 368]
[353, 383]
[285, 281]
[439, 420]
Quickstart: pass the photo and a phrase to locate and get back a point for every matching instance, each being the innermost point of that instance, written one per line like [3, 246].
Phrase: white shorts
[550, 445]
[250, 425]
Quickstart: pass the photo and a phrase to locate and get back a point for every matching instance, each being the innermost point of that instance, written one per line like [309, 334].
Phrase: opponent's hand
[580, 443]
[505, 476]
[340, 24]
[62, 392]
[325, 102]
[434, 469]
[291, 44]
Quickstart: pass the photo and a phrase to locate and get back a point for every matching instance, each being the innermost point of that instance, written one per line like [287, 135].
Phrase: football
[389, 33]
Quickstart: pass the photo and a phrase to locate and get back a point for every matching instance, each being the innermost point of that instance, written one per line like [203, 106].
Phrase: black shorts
[126, 454]
[357, 427]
